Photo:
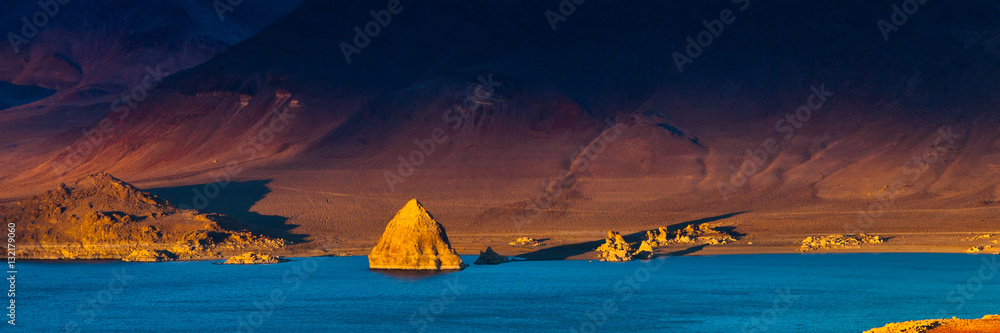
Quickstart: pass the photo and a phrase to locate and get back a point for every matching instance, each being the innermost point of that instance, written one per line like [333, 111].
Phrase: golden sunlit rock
[102, 217]
[414, 240]
[254, 258]
[833, 242]
[615, 248]
[987, 324]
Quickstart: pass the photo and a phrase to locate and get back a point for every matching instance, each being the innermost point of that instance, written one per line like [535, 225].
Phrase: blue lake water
[746, 293]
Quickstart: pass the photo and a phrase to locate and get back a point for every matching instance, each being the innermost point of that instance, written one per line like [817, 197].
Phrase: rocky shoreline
[986, 324]
[102, 217]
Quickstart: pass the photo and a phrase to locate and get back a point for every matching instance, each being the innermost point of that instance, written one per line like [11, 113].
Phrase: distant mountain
[77, 61]
[725, 102]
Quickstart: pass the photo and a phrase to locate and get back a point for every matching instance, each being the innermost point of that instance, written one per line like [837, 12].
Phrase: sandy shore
[581, 245]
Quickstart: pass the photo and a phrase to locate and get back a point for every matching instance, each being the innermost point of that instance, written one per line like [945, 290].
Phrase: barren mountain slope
[511, 127]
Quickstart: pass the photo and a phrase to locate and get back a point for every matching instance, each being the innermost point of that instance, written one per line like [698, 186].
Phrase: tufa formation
[834, 242]
[254, 258]
[490, 257]
[414, 240]
[615, 248]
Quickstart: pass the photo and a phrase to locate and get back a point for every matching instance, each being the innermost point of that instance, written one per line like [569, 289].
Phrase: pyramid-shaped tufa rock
[413, 240]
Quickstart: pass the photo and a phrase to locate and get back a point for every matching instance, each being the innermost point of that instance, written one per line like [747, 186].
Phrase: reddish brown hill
[102, 217]
[906, 133]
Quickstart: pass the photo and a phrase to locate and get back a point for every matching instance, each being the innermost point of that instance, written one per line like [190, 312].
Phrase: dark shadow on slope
[684, 252]
[12, 95]
[562, 252]
[683, 225]
[235, 200]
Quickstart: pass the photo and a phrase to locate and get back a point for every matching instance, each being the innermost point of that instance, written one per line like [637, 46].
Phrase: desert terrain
[559, 132]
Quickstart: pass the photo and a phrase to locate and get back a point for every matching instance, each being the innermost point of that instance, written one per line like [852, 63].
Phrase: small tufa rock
[489, 257]
[645, 251]
[833, 242]
[615, 248]
[703, 234]
[525, 241]
[149, 256]
[977, 249]
[254, 258]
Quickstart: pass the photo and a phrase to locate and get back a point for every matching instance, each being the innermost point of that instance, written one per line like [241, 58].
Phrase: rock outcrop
[102, 217]
[615, 248]
[833, 242]
[978, 249]
[525, 241]
[978, 237]
[987, 324]
[702, 234]
[645, 251]
[149, 256]
[254, 258]
[414, 240]
[489, 257]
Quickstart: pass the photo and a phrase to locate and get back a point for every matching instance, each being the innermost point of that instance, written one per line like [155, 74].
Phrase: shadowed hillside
[612, 118]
